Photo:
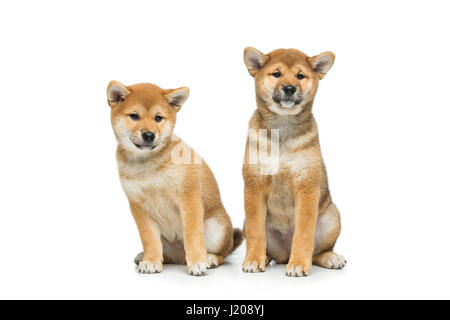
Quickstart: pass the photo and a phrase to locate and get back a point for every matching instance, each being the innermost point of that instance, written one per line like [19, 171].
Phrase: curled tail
[238, 237]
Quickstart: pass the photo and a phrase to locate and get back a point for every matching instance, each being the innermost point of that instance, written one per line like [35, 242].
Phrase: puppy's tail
[238, 237]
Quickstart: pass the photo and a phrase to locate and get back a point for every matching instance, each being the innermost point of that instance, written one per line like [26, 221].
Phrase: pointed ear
[177, 97]
[254, 60]
[322, 63]
[116, 93]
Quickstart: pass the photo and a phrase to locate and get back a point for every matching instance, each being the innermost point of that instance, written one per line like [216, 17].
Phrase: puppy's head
[286, 79]
[143, 115]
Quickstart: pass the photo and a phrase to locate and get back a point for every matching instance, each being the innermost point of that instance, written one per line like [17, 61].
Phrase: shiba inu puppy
[173, 195]
[290, 217]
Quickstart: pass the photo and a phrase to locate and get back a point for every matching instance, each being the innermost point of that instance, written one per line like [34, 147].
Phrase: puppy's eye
[276, 74]
[158, 118]
[300, 76]
[134, 116]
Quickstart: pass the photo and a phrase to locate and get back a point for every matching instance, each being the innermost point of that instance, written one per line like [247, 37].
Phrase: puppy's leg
[194, 235]
[255, 235]
[173, 253]
[151, 259]
[306, 212]
[327, 231]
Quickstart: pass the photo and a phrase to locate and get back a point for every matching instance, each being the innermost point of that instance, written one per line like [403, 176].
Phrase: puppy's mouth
[288, 103]
[144, 146]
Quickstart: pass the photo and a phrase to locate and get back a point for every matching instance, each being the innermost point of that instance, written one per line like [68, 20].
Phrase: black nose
[289, 90]
[148, 136]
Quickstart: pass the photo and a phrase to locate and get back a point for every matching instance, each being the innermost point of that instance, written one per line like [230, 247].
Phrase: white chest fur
[291, 166]
[155, 191]
[280, 157]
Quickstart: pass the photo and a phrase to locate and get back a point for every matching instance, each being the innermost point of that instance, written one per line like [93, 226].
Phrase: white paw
[298, 269]
[150, 267]
[197, 268]
[336, 261]
[254, 266]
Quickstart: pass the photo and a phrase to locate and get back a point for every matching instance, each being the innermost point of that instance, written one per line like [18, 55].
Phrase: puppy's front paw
[298, 269]
[150, 267]
[254, 265]
[197, 268]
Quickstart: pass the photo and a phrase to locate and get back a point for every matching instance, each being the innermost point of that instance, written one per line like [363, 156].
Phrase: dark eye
[158, 118]
[300, 76]
[134, 116]
[277, 74]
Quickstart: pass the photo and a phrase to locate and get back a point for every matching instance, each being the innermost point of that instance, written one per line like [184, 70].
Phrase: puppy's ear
[254, 60]
[322, 63]
[177, 97]
[116, 93]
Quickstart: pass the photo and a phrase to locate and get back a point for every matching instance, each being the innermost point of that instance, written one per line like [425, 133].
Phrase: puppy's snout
[148, 136]
[289, 90]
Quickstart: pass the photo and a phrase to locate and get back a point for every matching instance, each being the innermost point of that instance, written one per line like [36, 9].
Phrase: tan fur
[289, 214]
[176, 204]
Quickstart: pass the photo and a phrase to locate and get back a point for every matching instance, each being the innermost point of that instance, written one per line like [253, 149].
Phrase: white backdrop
[383, 110]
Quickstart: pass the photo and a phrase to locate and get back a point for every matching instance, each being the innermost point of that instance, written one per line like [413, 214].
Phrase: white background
[383, 113]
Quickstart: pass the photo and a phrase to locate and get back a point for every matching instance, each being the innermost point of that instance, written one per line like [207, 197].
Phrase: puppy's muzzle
[147, 141]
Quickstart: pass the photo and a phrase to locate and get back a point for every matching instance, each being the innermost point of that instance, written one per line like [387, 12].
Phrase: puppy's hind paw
[214, 260]
[148, 267]
[330, 260]
[139, 257]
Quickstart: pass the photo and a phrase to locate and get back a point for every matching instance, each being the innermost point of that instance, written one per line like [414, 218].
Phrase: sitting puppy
[289, 213]
[173, 194]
